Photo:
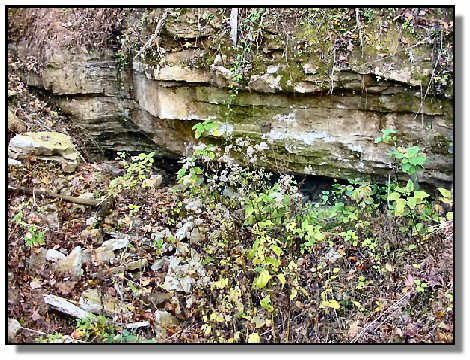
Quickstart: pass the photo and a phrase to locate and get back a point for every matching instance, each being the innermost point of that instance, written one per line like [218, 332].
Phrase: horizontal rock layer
[315, 122]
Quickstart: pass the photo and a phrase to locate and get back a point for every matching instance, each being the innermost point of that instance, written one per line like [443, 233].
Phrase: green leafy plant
[207, 126]
[137, 169]
[50, 339]
[420, 286]
[411, 159]
[95, 328]
[406, 198]
[34, 237]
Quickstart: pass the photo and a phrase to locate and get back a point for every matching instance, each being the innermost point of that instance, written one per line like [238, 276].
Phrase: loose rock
[72, 264]
[165, 319]
[38, 261]
[13, 327]
[138, 325]
[184, 230]
[154, 182]
[54, 255]
[93, 301]
[65, 306]
[138, 264]
[45, 145]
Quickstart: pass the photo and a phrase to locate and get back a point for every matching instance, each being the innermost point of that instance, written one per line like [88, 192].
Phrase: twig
[394, 307]
[359, 27]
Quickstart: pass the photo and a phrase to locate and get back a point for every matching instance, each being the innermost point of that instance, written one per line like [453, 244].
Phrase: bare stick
[234, 25]
[389, 312]
[156, 33]
[72, 199]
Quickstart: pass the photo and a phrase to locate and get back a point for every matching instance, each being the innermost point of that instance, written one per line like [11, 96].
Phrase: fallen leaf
[353, 329]
[76, 335]
[35, 314]
[35, 284]
[66, 287]
[409, 282]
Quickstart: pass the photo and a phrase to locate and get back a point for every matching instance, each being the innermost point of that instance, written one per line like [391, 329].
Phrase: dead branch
[155, 35]
[72, 199]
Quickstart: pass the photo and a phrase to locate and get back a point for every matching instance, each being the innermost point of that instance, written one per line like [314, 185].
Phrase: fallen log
[72, 199]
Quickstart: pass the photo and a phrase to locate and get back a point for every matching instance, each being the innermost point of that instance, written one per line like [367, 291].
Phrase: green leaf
[254, 338]
[394, 196]
[409, 186]
[444, 192]
[418, 159]
[330, 303]
[282, 278]
[262, 280]
[378, 139]
[272, 261]
[293, 294]
[412, 151]
[450, 215]
[400, 207]
[411, 201]
[266, 303]
[276, 249]
[181, 172]
[387, 132]
[408, 168]
[420, 194]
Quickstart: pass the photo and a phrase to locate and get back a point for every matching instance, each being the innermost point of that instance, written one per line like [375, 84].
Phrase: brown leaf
[409, 282]
[66, 287]
[35, 314]
[76, 335]
[112, 291]
[353, 329]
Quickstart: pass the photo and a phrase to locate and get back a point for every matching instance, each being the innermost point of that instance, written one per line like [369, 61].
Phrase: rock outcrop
[316, 117]
[45, 145]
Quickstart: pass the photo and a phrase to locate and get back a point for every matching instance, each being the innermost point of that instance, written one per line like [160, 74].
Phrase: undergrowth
[287, 270]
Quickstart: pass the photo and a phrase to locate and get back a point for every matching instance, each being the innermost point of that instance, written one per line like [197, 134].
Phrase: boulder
[45, 145]
[72, 264]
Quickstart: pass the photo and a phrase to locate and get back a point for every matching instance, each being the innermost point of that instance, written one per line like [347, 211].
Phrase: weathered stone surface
[154, 182]
[54, 255]
[159, 263]
[13, 162]
[136, 265]
[15, 125]
[72, 264]
[137, 325]
[184, 275]
[45, 145]
[95, 302]
[316, 119]
[165, 319]
[38, 261]
[13, 327]
[65, 306]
